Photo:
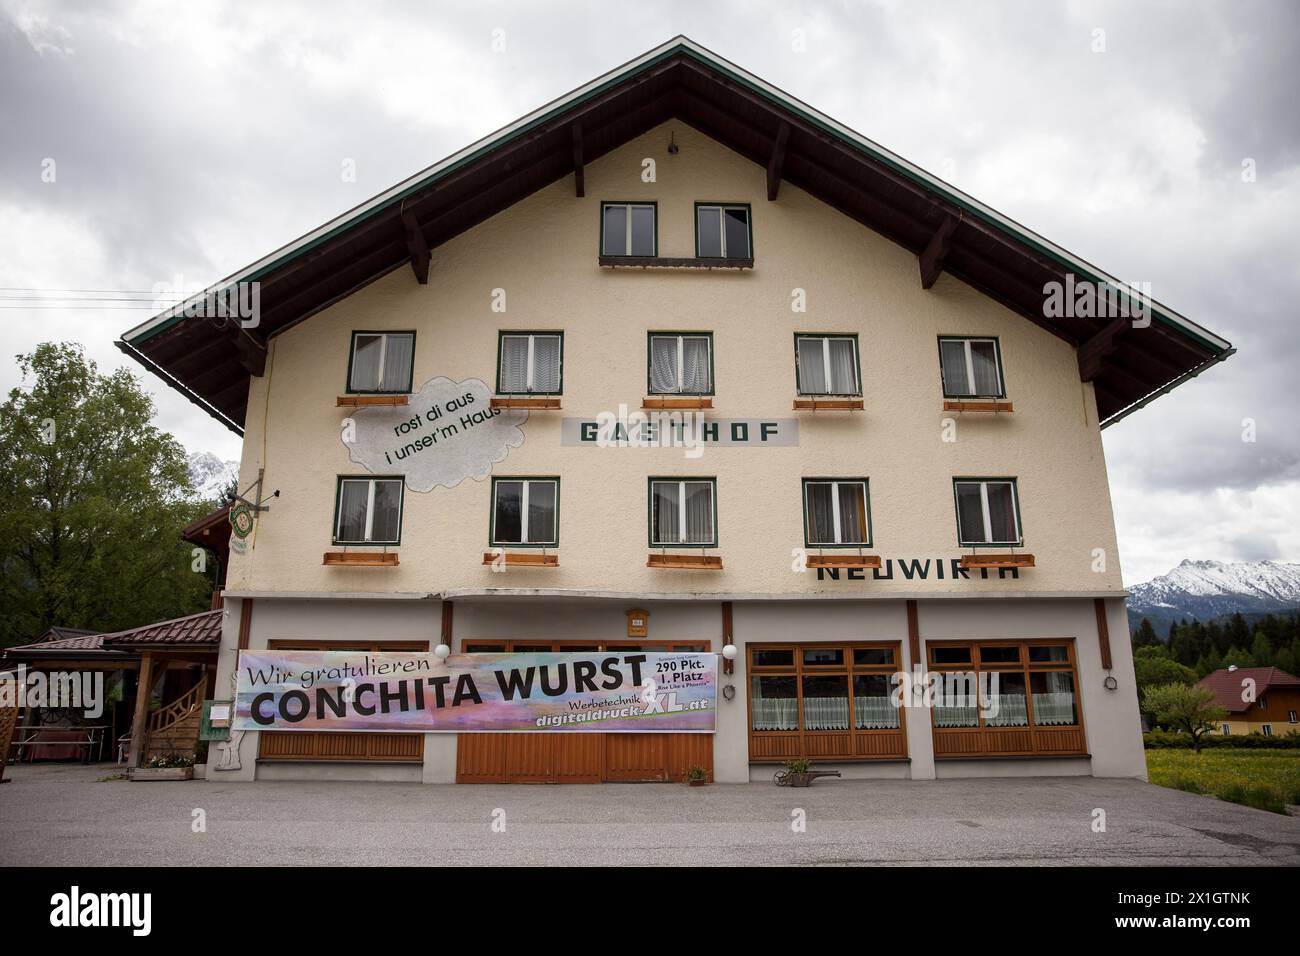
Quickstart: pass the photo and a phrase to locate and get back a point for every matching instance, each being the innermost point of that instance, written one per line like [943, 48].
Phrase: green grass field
[1264, 779]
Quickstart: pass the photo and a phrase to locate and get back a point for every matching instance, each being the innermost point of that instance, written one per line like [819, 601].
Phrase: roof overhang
[210, 361]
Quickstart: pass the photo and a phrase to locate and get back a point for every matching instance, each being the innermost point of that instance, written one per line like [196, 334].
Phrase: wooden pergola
[147, 651]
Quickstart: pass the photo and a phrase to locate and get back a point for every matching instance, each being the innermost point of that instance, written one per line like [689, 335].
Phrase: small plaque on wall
[638, 622]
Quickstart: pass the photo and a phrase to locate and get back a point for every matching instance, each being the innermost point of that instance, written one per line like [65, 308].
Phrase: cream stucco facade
[543, 253]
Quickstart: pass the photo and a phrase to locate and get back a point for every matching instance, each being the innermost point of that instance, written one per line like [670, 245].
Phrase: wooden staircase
[175, 728]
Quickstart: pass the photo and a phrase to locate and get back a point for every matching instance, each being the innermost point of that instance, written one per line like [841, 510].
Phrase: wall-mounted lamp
[442, 652]
[1110, 683]
[672, 144]
[729, 692]
[728, 645]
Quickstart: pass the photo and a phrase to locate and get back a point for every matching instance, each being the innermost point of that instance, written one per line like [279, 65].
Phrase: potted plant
[696, 776]
[796, 773]
[170, 766]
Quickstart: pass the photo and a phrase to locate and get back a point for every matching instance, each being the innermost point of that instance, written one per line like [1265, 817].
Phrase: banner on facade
[615, 691]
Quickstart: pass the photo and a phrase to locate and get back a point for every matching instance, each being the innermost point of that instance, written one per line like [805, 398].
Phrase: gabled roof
[89, 641]
[60, 633]
[1227, 685]
[202, 630]
[947, 229]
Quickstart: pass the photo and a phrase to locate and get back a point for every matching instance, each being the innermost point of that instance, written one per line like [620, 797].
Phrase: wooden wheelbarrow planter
[784, 778]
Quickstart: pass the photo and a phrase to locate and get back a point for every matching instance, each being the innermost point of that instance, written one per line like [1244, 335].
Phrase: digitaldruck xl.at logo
[75, 908]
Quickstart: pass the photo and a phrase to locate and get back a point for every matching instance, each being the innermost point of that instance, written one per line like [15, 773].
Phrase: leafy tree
[1153, 669]
[92, 500]
[1236, 657]
[1186, 708]
[1209, 663]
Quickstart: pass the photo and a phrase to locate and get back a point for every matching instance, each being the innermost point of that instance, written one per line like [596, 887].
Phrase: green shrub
[1165, 739]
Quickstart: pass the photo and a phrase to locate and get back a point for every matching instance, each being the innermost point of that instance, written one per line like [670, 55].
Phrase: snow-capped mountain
[210, 474]
[1210, 589]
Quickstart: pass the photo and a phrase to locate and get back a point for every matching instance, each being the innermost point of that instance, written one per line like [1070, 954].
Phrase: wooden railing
[184, 706]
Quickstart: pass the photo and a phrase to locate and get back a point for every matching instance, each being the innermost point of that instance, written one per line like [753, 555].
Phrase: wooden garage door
[579, 757]
[350, 747]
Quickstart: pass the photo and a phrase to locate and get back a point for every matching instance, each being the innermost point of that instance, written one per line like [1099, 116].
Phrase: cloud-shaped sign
[446, 433]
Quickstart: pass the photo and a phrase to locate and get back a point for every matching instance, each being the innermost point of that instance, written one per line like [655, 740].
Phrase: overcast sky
[191, 138]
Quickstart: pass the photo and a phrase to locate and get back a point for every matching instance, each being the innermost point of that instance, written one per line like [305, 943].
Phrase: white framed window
[971, 368]
[628, 229]
[530, 362]
[1227, 730]
[368, 511]
[526, 511]
[681, 363]
[827, 364]
[1290, 716]
[987, 511]
[723, 231]
[381, 362]
[683, 511]
[1266, 729]
[836, 512]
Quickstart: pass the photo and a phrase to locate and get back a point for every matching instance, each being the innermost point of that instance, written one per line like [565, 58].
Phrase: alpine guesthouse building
[677, 365]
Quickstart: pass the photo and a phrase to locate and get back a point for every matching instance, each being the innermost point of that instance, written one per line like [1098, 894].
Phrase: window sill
[953, 405]
[687, 401]
[828, 404]
[685, 562]
[360, 559]
[663, 262]
[524, 559]
[363, 401]
[994, 561]
[536, 404]
[1066, 755]
[842, 561]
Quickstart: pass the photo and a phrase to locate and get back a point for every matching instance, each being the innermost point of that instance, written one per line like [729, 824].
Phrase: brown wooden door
[578, 757]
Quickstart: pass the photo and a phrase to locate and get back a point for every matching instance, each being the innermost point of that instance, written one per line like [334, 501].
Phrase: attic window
[722, 232]
[381, 362]
[971, 368]
[628, 229]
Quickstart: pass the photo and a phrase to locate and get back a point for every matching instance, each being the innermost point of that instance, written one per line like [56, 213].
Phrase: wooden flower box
[364, 401]
[360, 559]
[534, 404]
[160, 773]
[842, 561]
[827, 404]
[685, 562]
[995, 561]
[524, 560]
[668, 404]
[977, 407]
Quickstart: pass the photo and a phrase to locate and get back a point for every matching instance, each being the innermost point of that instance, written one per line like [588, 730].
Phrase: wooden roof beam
[936, 251]
[1092, 352]
[579, 186]
[775, 164]
[417, 247]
